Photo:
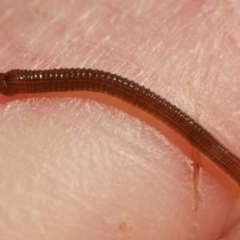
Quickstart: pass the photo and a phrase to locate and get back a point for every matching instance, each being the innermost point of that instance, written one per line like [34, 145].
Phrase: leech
[61, 80]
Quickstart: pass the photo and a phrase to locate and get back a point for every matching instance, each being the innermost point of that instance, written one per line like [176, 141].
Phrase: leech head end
[3, 84]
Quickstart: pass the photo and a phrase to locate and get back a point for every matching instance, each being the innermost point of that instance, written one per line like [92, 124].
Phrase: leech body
[61, 80]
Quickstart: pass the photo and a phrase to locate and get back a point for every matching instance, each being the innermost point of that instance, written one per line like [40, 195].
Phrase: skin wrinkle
[167, 64]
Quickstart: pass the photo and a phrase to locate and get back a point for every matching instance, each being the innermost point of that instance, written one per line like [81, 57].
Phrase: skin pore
[73, 168]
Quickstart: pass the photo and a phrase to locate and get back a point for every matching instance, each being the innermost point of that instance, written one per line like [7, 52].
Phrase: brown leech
[60, 80]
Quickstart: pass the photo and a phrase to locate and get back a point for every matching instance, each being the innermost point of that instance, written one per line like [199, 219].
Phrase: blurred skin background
[75, 168]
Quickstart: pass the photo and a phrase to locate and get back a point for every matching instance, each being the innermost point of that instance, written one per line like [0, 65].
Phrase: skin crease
[73, 168]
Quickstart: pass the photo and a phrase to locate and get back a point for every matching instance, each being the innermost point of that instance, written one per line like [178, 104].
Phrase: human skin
[74, 168]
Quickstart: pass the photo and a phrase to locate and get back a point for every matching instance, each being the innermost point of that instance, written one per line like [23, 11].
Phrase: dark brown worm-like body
[61, 80]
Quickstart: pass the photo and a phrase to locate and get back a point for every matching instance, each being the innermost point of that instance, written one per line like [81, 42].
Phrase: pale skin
[74, 168]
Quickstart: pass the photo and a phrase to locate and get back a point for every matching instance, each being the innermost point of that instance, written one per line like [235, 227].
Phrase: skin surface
[74, 168]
